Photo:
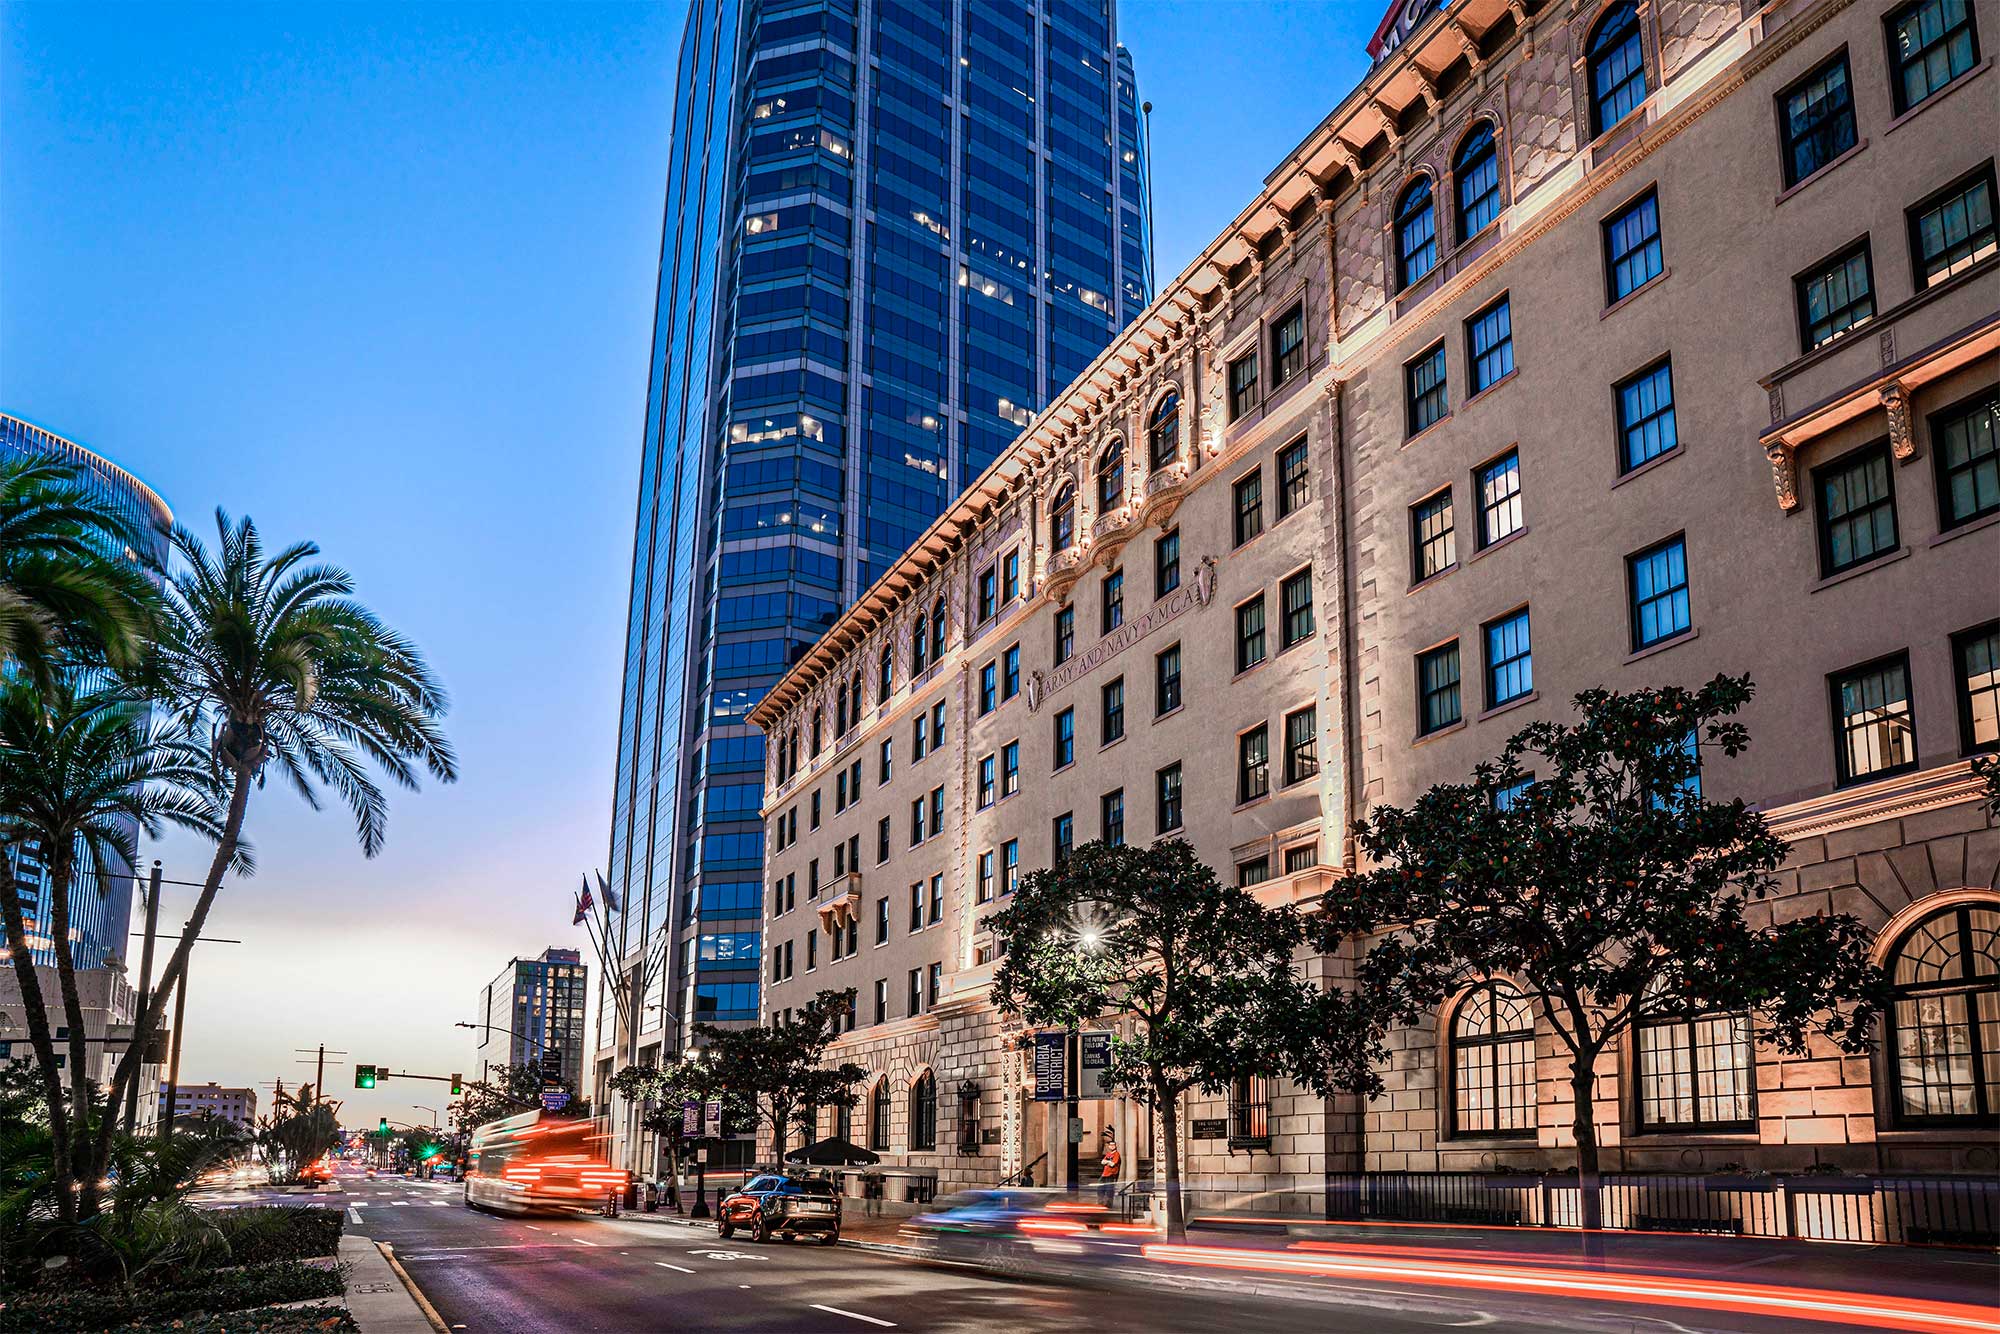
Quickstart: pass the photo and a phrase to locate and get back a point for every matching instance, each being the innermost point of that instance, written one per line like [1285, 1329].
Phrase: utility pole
[319, 1067]
[151, 894]
[174, 1057]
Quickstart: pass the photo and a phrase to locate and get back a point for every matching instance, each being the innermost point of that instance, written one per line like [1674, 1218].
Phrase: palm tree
[81, 775]
[65, 592]
[273, 663]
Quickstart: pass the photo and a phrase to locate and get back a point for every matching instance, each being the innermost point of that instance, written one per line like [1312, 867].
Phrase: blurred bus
[538, 1161]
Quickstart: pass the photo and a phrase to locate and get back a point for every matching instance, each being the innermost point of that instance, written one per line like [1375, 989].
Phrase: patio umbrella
[833, 1152]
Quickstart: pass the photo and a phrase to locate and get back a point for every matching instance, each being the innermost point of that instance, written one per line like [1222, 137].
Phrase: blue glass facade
[99, 923]
[894, 229]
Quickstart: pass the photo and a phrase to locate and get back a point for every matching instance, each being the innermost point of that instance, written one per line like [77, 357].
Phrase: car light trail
[1848, 1308]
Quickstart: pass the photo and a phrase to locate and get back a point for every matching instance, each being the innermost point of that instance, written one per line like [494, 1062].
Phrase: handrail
[1026, 1176]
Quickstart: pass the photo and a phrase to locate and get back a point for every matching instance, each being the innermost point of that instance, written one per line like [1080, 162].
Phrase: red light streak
[1052, 1226]
[1850, 1308]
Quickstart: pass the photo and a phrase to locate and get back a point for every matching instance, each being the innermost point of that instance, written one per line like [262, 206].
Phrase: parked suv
[772, 1204]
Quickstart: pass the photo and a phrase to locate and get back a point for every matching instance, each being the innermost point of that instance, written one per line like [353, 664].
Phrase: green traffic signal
[457, 1083]
[364, 1076]
[383, 1128]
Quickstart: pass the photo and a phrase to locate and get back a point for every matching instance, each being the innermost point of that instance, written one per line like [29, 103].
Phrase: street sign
[555, 1100]
[1051, 1065]
[1095, 1058]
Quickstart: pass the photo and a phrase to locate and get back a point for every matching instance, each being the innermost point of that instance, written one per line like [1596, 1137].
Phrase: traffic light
[457, 1083]
[364, 1076]
[382, 1128]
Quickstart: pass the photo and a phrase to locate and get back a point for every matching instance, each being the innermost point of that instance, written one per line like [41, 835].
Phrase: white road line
[664, 1265]
[353, 1214]
[581, 1242]
[852, 1315]
[531, 1227]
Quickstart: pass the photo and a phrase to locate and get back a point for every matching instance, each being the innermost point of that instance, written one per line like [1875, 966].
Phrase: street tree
[80, 774]
[1204, 971]
[509, 1090]
[272, 663]
[1585, 866]
[779, 1072]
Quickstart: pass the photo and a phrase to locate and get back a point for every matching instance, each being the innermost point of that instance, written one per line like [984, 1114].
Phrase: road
[494, 1275]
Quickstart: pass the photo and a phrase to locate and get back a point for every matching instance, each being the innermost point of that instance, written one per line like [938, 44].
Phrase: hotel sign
[1194, 593]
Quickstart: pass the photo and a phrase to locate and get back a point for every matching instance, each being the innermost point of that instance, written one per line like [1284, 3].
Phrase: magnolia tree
[1585, 866]
[1203, 971]
[777, 1075]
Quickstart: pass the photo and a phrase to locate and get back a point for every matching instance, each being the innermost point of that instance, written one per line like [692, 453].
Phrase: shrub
[279, 1232]
[266, 1320]
[109, 1307]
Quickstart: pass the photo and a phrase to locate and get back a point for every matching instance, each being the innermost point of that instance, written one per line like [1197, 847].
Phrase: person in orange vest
[1107, 1170]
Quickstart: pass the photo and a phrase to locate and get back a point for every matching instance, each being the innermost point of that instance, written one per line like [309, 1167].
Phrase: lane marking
[581, 1242]
[664, 1265]
[531, 1227]
[353, 1214]
[852, 1315]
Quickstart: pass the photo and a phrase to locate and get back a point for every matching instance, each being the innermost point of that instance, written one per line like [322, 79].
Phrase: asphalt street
[499, 1275]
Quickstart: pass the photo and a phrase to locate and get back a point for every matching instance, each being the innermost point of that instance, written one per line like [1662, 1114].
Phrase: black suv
[772, 1204]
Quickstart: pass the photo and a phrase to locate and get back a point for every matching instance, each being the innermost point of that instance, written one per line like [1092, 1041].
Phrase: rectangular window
[882, 840]
[1489, 345]
[920, 731]
[1302, 745]
[882, 1001]
[1010, 768]
[1111, 817]
[884, 760]
[1010, 672]
[1835, 296]
[1975, 656]
[1114, 711]
[1694, 1074]
[815, 808]
[1646, 424]
[1499, 487]
[1250, 633]
[1167, 563]
[1657, 582]
[916, 821]
[934, 980]
[1242, 385]
[1857, 509]
[989, 594]
[1632, 246]
[1167, 680]
[1437, 688]
[937, 899]
[1875, 733]
[1295, 596]
[1433, 544]
[1065, 634]
[986, 876]
[1966, 445]
[989, 688]
[1249, 496]
[1253, 763]
[1816, 117]
[1426, 399]
[812, 949]
[1062, 838]
[937, 810]
[1167, 799]
[989, 781]
[1114, 601]
[1010, 866]
[1288, 346]
[1010, 575]
[1303, 857]
[1253, 872]
[1294, 481]
[1931, 43]
[916, 991]
[916, 907]
[1065, 738]
[937, 725]
[1510, 663]
[1953, 230]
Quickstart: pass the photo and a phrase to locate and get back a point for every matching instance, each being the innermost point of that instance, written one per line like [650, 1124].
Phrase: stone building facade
[1582, 344]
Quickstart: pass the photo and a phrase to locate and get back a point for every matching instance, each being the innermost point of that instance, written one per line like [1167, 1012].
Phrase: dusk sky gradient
[383, 277]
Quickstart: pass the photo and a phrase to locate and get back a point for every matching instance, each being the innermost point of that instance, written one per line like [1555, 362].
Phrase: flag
[610, 899]
[583, 905]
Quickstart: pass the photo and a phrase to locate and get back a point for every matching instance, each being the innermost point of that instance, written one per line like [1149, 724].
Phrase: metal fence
[1894, 1210]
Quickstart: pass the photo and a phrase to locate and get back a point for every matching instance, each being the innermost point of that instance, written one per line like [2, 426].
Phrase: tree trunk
[85, 1176]
[149, 1019]
[41, 1037]
[1582, 1081]
[1168, 1100]
[781, 1115]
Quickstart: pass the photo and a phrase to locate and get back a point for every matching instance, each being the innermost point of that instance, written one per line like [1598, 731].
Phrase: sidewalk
[378, 1298]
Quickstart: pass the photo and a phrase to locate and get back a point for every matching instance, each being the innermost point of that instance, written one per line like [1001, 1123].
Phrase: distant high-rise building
[100, 903]
[893, 231]
[213, 1101]
[535, 1006]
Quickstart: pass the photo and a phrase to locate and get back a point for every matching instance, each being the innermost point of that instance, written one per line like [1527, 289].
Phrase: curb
[410, 1286]
[380, 1297]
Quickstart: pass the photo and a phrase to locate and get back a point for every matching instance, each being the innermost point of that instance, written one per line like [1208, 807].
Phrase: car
[774, 1204]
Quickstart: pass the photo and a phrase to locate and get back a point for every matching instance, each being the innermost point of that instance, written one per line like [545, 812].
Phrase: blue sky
[383, 277]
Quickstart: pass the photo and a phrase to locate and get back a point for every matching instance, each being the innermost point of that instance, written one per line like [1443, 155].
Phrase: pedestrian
[1107, 1170]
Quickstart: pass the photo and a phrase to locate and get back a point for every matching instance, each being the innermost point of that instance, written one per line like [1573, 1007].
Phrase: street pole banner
[1096, 1062]
[690, 1120]
[711, 1116]
[1051, 1065]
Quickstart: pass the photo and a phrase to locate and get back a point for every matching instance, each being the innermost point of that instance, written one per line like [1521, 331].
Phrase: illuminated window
[1163, 434]
[1944, 1031]
[1694, 1071]
[1976, 659]
[1874, 729]
[1493, 1063]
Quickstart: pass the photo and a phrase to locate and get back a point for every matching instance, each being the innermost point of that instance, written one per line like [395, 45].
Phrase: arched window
[1694, 1069]
[840, 713]
[919, 645]
[878, 1116]
[1163, 433]
[937, 631]
[1062, 520]
[1617, 68]
[1493, 1062]
[1111, 478]
[1945, 1022]
[819, 726]
[885, 674]
[854, 700]
[1416, 233]
[923, 1112]
[1476, 173]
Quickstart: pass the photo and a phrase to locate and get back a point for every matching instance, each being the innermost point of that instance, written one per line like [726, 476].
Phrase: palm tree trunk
[62, 871]
[148, 1020]
[1168, 1100]
[43, 1041]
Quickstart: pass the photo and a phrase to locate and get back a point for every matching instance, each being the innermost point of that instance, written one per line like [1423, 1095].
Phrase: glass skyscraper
[99, 922]
[893, 231]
